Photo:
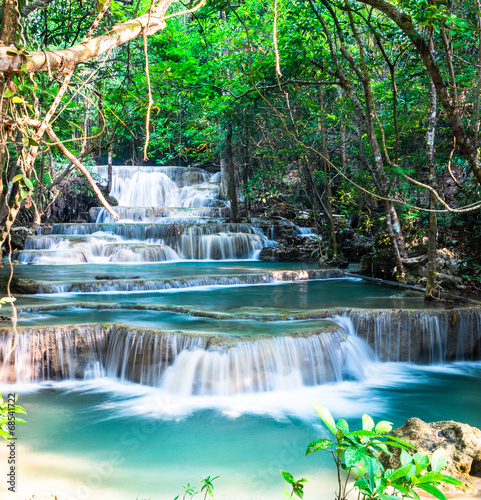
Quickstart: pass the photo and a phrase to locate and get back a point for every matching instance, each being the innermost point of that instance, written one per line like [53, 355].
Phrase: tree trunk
[9, 22]
[7, 37]
[327, 177]
[229, 162]
[433, 229]
[245, 169]
[109, 167]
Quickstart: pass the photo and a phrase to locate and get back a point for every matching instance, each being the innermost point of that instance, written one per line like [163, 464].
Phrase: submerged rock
[460, 442]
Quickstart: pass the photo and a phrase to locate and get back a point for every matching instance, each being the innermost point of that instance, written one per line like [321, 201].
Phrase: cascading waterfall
[421, 336]
[181, 364]
[165, 214]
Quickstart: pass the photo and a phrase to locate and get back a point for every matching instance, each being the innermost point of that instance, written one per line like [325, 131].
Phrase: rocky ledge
[460, 442]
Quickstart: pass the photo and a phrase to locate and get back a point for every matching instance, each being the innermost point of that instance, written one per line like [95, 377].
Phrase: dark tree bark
[9, 22]
[327, 177]
[231, 186]
[433, 229]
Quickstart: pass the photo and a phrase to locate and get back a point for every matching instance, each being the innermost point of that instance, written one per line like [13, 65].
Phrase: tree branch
[86, 174]
[65, 58]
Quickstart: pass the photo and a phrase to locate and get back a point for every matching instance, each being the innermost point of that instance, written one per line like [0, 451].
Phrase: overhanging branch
[67, 58]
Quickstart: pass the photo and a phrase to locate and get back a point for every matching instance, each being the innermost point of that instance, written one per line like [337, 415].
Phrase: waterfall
[433, 336]
[43, 354]
[134, 242]
[225, 365]
[165, 214]
[181, 364]
[280, 363]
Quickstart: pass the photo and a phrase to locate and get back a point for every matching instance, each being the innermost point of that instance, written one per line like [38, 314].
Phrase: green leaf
[317, 445]
[28, 183]
[383, 427]
[438, 460]
[422, 461]
[287, 476]
[354, 455]
[450, 480]
[401, 472]
[5, 434]
[432, 490]
[363, 433]
[24, 193]
[430, 477]
[8, 92]
[399, 443]
[342, 425]
[33, 142]
[405, 457]
[8, 299]
[326, 417]
[367, 422]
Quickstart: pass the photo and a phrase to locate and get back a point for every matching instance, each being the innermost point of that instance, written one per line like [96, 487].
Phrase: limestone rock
[284, 253]
[460, 442]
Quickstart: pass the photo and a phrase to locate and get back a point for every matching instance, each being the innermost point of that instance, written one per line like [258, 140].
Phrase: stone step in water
[138, 284]
[417, 337]
[166, 215]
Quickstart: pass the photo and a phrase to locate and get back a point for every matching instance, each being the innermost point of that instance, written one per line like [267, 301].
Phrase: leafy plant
[358, 453]
[5, 300]
[8, 417]
[207, 486]
[297, 485]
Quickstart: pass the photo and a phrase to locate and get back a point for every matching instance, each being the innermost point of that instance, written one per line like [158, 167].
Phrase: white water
[181, 365]
[164, 215]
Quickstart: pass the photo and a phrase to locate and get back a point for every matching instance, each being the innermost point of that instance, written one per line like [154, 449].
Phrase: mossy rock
[17, 285]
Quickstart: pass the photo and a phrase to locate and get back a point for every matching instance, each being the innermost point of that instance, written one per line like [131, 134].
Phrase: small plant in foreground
[358, 452]
[207, 486]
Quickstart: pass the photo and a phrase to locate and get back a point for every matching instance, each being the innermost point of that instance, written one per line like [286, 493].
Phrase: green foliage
[358, 454]
[296, 484]
[206, 487]
[8, 416]
[5, 300]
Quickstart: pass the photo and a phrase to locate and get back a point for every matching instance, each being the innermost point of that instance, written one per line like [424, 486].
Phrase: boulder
[460, 442]
[283, 253]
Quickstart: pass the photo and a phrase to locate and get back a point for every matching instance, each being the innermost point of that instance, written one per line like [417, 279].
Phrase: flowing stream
[159, 349]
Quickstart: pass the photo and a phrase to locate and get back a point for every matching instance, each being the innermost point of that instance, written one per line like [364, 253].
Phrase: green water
[111, 441]
[170, 269]
[165, 320]
[104, 440]
[279, 298]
